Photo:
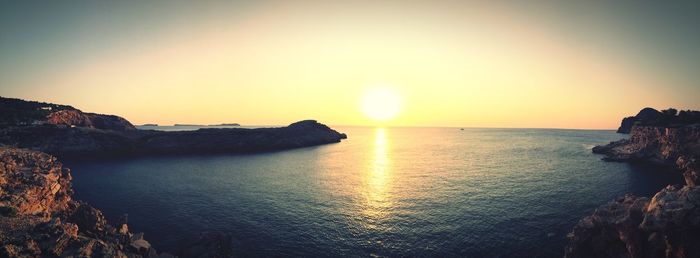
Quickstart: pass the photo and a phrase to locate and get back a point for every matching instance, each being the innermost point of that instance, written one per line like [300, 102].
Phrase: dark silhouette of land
[68, 132]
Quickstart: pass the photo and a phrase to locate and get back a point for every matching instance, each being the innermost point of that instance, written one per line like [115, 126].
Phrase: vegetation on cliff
[15, 112]
[668, 118]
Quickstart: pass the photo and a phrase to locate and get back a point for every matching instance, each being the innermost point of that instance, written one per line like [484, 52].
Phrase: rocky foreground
[668, 224]
[39, 218]
[67, 132]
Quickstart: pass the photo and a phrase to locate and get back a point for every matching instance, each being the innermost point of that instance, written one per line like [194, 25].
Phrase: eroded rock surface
[667, 138]
[77, 118]
[668, 225]
[39, 218]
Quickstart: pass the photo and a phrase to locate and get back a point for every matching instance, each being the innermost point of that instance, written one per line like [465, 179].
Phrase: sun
[381, 104]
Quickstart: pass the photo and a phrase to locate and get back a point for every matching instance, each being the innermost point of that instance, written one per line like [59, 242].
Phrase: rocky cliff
[76, 118]
[677, 147]
[668, 225]
[39, 218]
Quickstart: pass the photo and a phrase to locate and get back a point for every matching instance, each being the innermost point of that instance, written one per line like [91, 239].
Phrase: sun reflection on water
[378, 177]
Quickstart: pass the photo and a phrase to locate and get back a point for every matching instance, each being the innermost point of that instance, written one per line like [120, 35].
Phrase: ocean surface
[438, 192]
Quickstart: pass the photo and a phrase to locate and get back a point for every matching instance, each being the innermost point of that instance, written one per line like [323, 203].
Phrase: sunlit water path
[383, 191]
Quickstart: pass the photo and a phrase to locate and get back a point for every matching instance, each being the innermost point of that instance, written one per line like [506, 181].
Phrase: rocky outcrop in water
[72, 133]
[39, 218]
[668, 225]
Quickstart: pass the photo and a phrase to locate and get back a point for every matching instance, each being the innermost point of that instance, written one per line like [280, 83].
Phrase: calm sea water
[382, 192]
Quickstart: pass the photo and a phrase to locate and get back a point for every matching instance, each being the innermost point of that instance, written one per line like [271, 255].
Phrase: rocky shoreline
[668, 224]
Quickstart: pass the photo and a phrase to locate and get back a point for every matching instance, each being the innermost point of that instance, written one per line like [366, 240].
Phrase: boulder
[668, 225]
[90, 221]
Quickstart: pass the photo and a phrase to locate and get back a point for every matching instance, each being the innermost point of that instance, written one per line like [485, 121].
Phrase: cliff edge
[671, 139]
[668, 224]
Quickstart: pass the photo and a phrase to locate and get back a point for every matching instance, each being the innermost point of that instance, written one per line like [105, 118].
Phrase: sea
[383, 192]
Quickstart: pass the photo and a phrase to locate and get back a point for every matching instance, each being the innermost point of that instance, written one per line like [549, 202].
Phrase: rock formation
[39, 218]
[76, 118]
[672, 141]
[71, 133]
[668, 225]
[645, 115]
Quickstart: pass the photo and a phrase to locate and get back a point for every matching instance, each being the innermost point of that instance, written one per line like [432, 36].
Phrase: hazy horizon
[448, 64]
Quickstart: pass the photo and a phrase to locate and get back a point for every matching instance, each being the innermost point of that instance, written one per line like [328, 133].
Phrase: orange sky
[452, 64]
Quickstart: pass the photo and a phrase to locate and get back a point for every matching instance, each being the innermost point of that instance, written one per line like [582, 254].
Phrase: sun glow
[381, 104]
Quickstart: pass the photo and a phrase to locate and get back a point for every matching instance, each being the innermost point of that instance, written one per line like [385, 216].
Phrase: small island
[227, 124]
[188, 125]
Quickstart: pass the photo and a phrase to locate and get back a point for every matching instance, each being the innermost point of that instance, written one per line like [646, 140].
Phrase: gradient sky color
[455, 63]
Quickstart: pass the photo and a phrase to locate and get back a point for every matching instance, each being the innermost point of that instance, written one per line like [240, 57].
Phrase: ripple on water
[382, 192]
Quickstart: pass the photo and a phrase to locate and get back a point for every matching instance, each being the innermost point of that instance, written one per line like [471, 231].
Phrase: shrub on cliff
[15, 112]
[8, 211]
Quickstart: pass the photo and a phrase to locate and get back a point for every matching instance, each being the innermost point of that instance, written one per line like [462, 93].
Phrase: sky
[534, 64]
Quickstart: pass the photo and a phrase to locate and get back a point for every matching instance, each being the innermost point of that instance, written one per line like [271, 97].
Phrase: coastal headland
[668, 224]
